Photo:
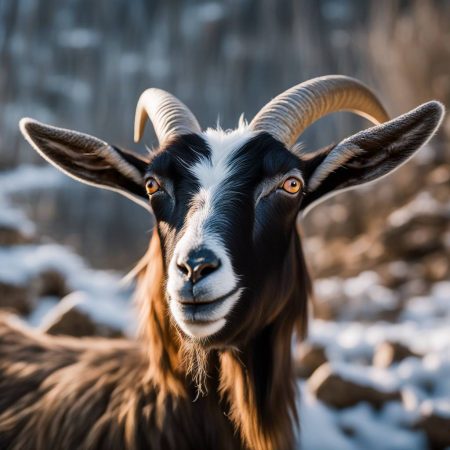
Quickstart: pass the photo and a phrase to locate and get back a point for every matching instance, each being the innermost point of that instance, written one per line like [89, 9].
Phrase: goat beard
[195, 360]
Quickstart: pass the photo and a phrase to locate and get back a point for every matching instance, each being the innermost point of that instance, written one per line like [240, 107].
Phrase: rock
[388, 353]
[308, 358]
[343, 257]
[360, 298]
[439, 176]
[15, 228]
[69, 318]
[394, 274]
[51, 282]
[436, 267]
[71, 322]
[436, 424]
[339, 391]
[331, 222]
[324, 256]
[438, 182]
[416, 229]
[413, 288]
[329, 298]
[412, 241]
[16, 297]
[20, 295]
[12, 235]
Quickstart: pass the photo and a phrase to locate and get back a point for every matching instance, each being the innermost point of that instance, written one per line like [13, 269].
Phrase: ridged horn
[168, 115]
[290, 113]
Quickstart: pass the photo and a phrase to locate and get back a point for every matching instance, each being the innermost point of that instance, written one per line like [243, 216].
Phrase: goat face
[226, 202]
[225, 205]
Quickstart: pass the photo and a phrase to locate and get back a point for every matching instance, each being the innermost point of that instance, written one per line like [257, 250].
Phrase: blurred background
[379, 255]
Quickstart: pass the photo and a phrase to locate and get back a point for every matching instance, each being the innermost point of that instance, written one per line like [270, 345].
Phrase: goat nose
[198, 264]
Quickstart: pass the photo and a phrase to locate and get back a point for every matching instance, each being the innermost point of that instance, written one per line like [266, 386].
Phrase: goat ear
[89, 159]
[369, 154]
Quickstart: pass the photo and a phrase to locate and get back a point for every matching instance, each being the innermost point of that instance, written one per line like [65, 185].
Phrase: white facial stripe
[212, 173]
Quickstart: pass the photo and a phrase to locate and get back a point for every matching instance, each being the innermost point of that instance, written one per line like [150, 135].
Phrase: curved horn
[289, 114]
[168, 115]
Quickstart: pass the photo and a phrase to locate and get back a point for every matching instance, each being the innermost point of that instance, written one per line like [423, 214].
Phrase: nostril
[205, 269]
[184, 268]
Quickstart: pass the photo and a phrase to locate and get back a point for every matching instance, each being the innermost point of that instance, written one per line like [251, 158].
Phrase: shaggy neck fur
[253, 386]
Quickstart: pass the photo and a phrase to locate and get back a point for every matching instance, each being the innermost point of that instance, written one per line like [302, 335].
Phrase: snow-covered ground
[100, 294]
[356, 428]
[424, 381]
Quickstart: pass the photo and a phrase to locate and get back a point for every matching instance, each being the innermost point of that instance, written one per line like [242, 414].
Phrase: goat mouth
[202, 302]
[207, 312]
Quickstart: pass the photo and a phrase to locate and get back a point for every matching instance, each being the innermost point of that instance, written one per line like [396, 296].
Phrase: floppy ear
[369, 154]
[89, 159]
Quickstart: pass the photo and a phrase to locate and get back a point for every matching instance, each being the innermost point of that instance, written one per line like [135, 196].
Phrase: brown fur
[66, 393]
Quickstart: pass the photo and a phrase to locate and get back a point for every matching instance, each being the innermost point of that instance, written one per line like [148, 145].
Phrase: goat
[222, 288]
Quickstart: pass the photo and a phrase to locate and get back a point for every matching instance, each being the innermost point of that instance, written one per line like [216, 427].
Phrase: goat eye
[292, 185]
[152, 186]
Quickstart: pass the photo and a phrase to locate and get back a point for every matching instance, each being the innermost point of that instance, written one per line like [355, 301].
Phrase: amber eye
[292, 185]
[151, 186]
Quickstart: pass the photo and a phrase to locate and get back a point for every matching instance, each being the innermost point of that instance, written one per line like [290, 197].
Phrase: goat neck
[258, 378]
